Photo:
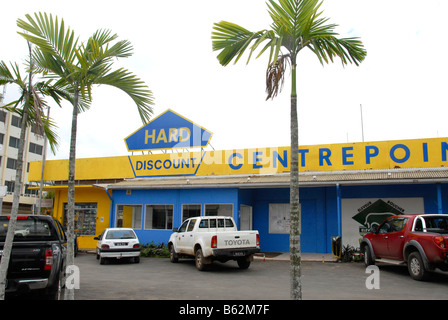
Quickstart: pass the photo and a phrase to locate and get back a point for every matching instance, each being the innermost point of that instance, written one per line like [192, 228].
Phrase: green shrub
[347, 253]
[157, 250]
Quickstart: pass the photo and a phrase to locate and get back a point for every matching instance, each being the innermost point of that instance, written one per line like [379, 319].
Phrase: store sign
[418, 153]
[334, 157]
[373, 213]
[168, 131]
[176, 164]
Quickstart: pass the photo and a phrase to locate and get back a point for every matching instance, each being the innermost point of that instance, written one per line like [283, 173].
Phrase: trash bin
[336, 247]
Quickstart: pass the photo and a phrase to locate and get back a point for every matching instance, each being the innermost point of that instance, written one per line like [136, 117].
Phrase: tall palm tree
[29, 106]
[33, 99]
[80, 66]
[296, 25]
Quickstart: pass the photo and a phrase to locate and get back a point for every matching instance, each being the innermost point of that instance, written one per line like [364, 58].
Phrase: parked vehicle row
[38, 257]
[207, 239]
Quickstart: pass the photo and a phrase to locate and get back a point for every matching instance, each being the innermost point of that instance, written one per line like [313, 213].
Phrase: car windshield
[120, 234]
[28, 228]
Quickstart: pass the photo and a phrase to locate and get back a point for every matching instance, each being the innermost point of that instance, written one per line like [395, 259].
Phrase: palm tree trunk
[7, 247]
[295, 214]
[70, 292]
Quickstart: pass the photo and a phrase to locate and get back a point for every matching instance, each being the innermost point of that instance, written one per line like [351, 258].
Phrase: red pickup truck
[420, 241]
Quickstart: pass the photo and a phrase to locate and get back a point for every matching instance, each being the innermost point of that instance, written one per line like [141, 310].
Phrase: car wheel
[199, 260]
[173, 255]
[243, 263]
[136, 259]
[102, 260]
[368, 260]
[416, 267]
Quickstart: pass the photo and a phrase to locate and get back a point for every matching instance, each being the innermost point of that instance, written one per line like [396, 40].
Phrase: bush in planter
[347, 253]
[158, 250]
[350, 253]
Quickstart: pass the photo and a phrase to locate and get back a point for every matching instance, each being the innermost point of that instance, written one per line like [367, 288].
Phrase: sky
[401, 86]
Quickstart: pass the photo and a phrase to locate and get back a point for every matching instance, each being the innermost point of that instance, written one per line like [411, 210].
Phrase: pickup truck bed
[213, 238]
[38, 255]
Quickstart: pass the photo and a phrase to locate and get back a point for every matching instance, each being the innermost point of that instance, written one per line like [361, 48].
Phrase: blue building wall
[319, 218]
[175, 197]
[319, 208]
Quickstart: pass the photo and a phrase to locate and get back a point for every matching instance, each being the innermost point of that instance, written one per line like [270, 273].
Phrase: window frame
[191, 204]
[218, 204]
[167, 220]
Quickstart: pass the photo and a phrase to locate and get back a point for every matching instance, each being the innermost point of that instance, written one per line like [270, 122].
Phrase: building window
[14, 142]
[129, 216]
[30, 191]
[159, 217]
[15, 121]
[85, 218]
[11, 163]
[2, 116]
[35, 148]
[219, 210]
[10, 185]
[35, 131]
[190, 210]
[2, 137]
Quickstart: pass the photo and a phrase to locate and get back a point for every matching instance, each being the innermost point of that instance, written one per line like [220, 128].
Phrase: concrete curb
[272, 256]
[284, 256]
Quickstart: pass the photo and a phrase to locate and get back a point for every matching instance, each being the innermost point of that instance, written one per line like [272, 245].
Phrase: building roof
[282, 180]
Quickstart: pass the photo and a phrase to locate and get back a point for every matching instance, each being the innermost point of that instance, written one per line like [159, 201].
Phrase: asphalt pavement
[265, 279]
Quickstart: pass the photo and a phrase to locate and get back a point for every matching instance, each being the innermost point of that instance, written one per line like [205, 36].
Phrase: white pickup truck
[213, 238]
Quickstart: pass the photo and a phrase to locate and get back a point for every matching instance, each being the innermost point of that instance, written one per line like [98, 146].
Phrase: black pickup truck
[38, 256]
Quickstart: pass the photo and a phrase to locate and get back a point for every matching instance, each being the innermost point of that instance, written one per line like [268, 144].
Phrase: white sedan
[117, 243]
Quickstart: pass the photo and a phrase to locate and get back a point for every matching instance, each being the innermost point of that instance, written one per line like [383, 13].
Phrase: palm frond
[48, 126]
[133, 87]
[348, 50]
[50, 36]
[297, 24]
[79, 66]
[8, 76]
[233, 40]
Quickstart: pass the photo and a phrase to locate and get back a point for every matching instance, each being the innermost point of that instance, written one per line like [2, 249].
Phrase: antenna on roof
[362, 124]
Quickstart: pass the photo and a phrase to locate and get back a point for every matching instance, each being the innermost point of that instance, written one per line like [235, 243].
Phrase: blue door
[309, 236]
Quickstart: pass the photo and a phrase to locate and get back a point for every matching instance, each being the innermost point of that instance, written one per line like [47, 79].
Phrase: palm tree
[296, 25]
[80, 66]
[34, 113]
[29, 106]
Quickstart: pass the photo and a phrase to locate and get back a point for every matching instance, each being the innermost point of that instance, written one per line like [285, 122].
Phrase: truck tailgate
[26, 257]
[237, 240]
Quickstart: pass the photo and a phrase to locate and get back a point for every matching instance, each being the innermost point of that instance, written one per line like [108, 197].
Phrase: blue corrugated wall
[319, 208]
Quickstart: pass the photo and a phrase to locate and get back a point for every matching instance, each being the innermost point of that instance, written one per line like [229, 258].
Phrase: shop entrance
[129, 216]
[85, 218]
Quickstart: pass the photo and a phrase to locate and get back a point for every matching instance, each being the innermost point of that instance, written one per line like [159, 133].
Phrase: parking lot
[158, 279]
